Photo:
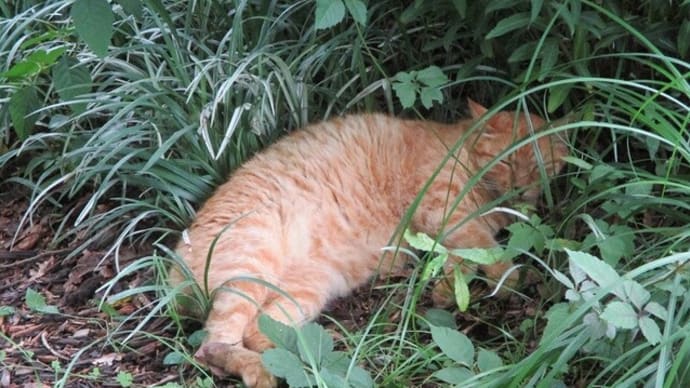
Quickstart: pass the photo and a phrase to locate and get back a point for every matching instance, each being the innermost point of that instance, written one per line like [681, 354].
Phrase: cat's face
[522, 168]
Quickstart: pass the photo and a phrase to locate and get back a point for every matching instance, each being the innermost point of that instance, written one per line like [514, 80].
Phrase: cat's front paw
[227, 359]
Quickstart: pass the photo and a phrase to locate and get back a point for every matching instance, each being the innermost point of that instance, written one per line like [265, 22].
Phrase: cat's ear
[477, 110]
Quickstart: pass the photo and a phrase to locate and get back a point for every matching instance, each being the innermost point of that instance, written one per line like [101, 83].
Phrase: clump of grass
[126, 143]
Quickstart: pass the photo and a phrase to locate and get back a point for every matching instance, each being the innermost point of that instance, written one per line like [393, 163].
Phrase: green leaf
[509, 24]
[488, 360]
[650, 330]
[287, 365]
[461, 290]
[281, 335]
[434, 266]
[328, 13]
[132, 7]
[484, 256]
[195, 339]
[461, 7]
[358, 10]
[406, 93]
[657, 310]
[557, 95]
[22, 70]
[432, 76]
[37, 302]
[428, 95]
[454, 375]
[620, 314]
[440, 317]
[125, 379]
[22, 104]
[554, 318]
[6, 310]
[453, 344]
[173, 358]
[71, 81]
[332, 379]
[535, 9]
[423, 242]
[603, 274]
[636, 293]
[93, 21]
[314, 343]
[682, 40]
[620, 243]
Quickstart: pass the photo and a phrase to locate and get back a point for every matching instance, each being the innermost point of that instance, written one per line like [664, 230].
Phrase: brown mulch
[37, 348]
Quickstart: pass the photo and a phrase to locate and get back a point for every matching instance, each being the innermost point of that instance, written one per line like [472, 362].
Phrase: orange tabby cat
[311, 213]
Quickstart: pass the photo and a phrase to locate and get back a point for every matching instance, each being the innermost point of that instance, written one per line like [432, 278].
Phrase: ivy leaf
[620, 314]
[453, 344]
[328, 13]
[93, 21]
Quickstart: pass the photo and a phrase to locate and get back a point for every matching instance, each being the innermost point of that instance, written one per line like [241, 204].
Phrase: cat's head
[521, 168]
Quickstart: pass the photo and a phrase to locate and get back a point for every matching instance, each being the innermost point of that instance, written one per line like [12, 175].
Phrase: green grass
[137, 139]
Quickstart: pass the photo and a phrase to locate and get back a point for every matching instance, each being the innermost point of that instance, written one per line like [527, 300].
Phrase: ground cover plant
[118, 118]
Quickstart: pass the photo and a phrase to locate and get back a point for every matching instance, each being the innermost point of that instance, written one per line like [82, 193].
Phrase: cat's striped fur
[311, 213]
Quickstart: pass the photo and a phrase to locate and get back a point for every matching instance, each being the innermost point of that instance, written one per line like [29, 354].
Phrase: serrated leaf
[509, 24]
[328, 13]
[484, 256]
[358, 10]
[430, 94]
[620, 314]
[603, 274]
[461, 290]
[636, 293]
[93, 21]
[406, 93]
[454, 375]
[432, 76]
[287, 365]
[314, 343]
[488, 360]
[173, 358]
[657, 310]
[650, 330]
[37, 302]
[280, 334]
[22, 104]
[453, 344]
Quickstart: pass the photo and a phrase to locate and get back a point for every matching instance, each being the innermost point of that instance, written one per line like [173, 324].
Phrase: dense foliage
[123, 116]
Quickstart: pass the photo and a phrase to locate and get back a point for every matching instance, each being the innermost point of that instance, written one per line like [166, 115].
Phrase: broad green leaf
[6, 310]
[358, 10]
[22, 70]
[636, 293]
[132, 7]
[453, 344]
[620, 314]
[423, 242]
[46, 58]
[549, 57]
[560, 276]
[328, 13]
[93, 21]
[484, 256]
[173, 358]
[509, 24]
[430, 94]
[461, 290]
[434, 266]
[406, 93]
[71, 81]
[657, 310]
[650, 330]
[287, 365]
[554, 317]
[620, 243]
[37, 302]
[488, 360]
[283, 336]
[195, 339]
[432, 76]
[314, 342]
[557, 95]
[535, 9]
[359, 378]
[22, 104]
[332, 379]
[125, 379]
[440, 317]
[603, 274]
[454, 375]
